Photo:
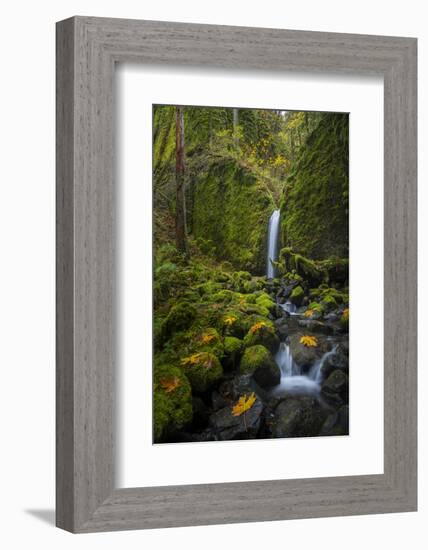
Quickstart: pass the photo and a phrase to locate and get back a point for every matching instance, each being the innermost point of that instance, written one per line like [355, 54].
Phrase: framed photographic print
[236, 274]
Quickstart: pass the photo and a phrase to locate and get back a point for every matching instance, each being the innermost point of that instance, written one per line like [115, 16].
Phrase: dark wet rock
[245, 426]
[218, 400]
[335, 387]
[316, 326]
[343, 348]
[337, 423]
[298, 417]
[335, 361]
[200, 413]
[305, 356]
[232, 389]
[332, 317]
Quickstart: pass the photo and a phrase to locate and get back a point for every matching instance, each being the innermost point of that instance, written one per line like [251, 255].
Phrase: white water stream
[272, 249]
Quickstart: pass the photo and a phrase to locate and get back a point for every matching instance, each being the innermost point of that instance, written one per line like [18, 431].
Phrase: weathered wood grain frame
[87, 50]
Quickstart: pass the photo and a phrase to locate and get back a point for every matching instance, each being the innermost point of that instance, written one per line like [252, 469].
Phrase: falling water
[293, 382]
[272, 253]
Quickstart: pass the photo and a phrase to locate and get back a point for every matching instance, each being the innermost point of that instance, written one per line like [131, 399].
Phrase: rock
[332, 317]
[335, 387]
[245, 426]
[337, 423]
[297, 295]
[305, 356]
[298, 417]
[232, 352]
[316, 326]
[262, 333]
[218, 400]
[258, 361]
[335, 361]
[282, 328]
[203, 370]
[200, 413]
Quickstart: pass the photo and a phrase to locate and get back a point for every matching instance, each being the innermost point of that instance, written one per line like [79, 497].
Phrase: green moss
[265, 301]
[172, 410]
[262, 333]
[231, 208]
[255, 357]
[314, 205]
[210, 341]
[328, 302]
[232, 351]
[179, 318]
[297, 295]
[202, 370]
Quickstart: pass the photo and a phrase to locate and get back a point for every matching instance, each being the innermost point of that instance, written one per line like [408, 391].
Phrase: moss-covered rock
[203, 369]
[297, 295]
[172, 400]
[232, 352]
[258, 361]
[179, 318]
[314, 206]
[263, 333]
[209, 340]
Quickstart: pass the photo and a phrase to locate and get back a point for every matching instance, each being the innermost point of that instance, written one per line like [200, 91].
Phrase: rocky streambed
[297, 375]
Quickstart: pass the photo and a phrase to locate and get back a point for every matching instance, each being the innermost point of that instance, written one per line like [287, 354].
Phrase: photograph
[250, 274]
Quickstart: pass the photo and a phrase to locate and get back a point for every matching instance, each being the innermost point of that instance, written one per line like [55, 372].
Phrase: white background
[140, 87]
[27, 286]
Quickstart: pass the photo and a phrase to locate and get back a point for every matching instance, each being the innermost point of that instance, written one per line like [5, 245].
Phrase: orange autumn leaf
[169, 384]
[257, 327]
[203, 359]
[309, 341]
[206, 338]
[243, 404]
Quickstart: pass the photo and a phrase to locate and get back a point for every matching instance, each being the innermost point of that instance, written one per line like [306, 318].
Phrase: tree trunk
[180, 205]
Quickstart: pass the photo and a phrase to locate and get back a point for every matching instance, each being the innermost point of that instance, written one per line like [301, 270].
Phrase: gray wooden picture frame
[87, 50]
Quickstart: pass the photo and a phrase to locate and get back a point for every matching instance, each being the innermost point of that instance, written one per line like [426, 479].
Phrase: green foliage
[297, 295]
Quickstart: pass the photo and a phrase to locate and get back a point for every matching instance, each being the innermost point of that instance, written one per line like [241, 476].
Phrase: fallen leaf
[243, 404]
[308, 313]
[203, 359]
[257, 327]
[206, 338]
[229, 320]
[170, 384]
[309, 341]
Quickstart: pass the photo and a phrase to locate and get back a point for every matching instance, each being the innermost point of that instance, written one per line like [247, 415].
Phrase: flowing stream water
[293, 380]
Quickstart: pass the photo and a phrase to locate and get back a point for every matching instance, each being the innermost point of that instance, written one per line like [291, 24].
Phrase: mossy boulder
[203, 369]
[297, 295]
[298, 417]
[179, 318]
[263, 333]
[258, 361]
[172, 401]
[265, 301]
[209, 340]
[232, 352]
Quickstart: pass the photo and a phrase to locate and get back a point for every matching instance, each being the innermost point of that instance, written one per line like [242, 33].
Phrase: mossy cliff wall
[314, 206]
[231, 209]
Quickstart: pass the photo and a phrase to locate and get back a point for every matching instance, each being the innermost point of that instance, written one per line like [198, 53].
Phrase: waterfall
[272, 248]
[316, 370]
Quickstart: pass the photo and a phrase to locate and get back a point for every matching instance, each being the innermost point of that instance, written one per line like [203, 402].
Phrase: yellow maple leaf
[206, 338]
[345, 314]
[308, 313]
[243, 404]
[257, 327]
[170, 384]
[309, 341]
[203, 359]
[229, 320]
